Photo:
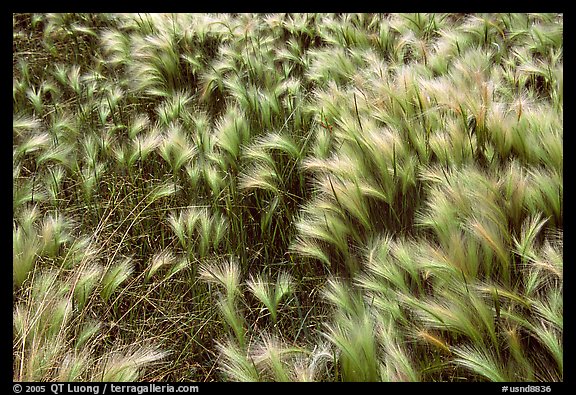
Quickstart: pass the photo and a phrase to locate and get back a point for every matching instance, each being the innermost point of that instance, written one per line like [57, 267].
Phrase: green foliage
[288, 197]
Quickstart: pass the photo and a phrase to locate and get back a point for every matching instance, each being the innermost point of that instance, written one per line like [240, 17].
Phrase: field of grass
[287, 197]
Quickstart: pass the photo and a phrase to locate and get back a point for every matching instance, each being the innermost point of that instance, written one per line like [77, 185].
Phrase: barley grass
[288, 197]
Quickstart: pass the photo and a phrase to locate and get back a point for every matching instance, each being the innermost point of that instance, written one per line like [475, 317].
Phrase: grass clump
[288, 197]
